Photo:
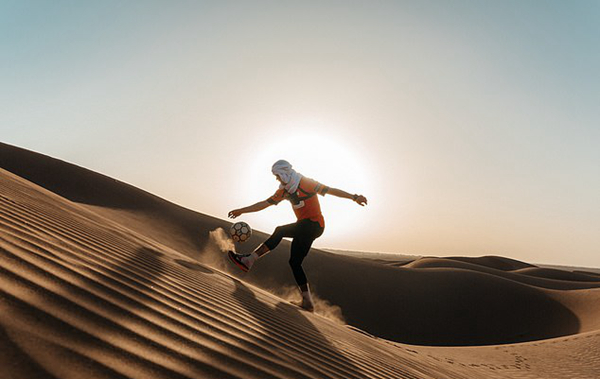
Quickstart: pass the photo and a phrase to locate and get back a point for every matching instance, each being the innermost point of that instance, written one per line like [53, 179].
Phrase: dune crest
[92, 287]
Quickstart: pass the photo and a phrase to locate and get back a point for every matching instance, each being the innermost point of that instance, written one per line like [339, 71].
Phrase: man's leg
[289, 230]
[246, 262]
[301, 245]
[300, 248]
[261, 250]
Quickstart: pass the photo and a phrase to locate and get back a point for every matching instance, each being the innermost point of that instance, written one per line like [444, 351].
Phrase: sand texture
[99, 279]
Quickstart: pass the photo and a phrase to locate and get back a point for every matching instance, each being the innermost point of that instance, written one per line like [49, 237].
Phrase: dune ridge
[75, 288]
[89, 288]
[426, 299]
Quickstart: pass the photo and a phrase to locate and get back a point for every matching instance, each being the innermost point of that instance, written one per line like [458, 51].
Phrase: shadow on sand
[305, 346]
[194, 266]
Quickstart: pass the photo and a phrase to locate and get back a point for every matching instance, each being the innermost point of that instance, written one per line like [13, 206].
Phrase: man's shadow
[291, 336]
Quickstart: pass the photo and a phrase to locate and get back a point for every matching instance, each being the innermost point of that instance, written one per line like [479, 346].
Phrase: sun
[326, 157]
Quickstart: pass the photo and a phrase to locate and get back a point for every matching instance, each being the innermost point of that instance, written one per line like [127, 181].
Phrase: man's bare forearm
[256, 207]
[339, 193]
[252, 208]
[359, 199]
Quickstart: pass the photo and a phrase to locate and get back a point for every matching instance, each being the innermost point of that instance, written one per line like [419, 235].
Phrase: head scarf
[288, 175]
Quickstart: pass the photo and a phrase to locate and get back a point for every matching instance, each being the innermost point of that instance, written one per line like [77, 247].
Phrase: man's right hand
[235, 213]
[361, 200]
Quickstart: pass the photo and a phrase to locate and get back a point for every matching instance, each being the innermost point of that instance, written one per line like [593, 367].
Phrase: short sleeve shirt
[304, 201]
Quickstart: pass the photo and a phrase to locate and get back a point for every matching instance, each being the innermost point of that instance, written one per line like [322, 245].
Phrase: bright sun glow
[327, 158]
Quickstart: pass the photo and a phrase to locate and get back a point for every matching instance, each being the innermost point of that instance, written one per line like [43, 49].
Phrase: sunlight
[328, 158]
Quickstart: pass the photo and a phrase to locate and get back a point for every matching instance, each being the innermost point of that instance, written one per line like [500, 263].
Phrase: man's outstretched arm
[249, 209]
[359, 199]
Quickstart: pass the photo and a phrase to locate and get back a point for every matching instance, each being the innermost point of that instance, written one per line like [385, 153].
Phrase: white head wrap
[288, 175]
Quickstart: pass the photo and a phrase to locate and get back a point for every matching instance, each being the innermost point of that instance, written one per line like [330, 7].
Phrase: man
[301, 192]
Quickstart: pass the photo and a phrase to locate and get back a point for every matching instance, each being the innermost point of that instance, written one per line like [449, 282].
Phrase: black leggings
[303, 232]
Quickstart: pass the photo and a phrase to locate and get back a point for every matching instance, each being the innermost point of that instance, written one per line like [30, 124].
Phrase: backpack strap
[307, 195]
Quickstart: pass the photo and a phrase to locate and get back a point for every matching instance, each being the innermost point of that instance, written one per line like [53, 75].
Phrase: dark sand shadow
[194, 266]
[139, 270]
[306, 345]
[84, 186]
[145, 265]
[16, 363]
[81, 185]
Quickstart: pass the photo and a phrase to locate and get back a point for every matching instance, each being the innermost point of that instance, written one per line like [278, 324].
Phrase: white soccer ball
[240, 231]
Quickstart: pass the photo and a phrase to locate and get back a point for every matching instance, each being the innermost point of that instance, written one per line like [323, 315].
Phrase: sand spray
[322, 307]
[214, 255]
[216, 248]
[221, 239]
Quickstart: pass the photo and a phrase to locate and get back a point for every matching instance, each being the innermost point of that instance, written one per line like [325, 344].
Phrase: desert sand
[99, 279]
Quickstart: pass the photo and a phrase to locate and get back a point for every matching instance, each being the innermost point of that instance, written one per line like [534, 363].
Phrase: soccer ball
[240, 231]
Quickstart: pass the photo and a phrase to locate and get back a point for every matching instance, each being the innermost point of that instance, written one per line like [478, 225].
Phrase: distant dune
[101, 279]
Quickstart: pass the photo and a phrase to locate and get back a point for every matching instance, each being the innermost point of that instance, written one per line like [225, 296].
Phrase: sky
[472, 127]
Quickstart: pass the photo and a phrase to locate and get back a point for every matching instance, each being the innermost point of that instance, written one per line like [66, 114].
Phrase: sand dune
[533, 276]
[100, 279]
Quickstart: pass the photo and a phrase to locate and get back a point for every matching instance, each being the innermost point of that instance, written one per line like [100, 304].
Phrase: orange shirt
[304, 201]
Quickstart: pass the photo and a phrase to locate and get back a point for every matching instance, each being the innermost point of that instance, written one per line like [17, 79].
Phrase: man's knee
[275, 238]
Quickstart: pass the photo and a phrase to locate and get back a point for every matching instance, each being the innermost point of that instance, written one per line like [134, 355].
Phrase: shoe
[237, 259]
[306, 305]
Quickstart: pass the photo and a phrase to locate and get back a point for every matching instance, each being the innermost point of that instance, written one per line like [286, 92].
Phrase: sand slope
[82, 295]
[460, 301]
[91, 288]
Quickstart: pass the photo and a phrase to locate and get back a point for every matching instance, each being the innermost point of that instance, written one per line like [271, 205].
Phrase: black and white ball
[240, 231]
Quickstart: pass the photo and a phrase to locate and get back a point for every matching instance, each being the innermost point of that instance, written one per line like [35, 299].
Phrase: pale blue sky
[471, 126]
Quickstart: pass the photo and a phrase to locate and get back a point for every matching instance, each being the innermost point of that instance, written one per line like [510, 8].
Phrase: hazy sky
[473, 127]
